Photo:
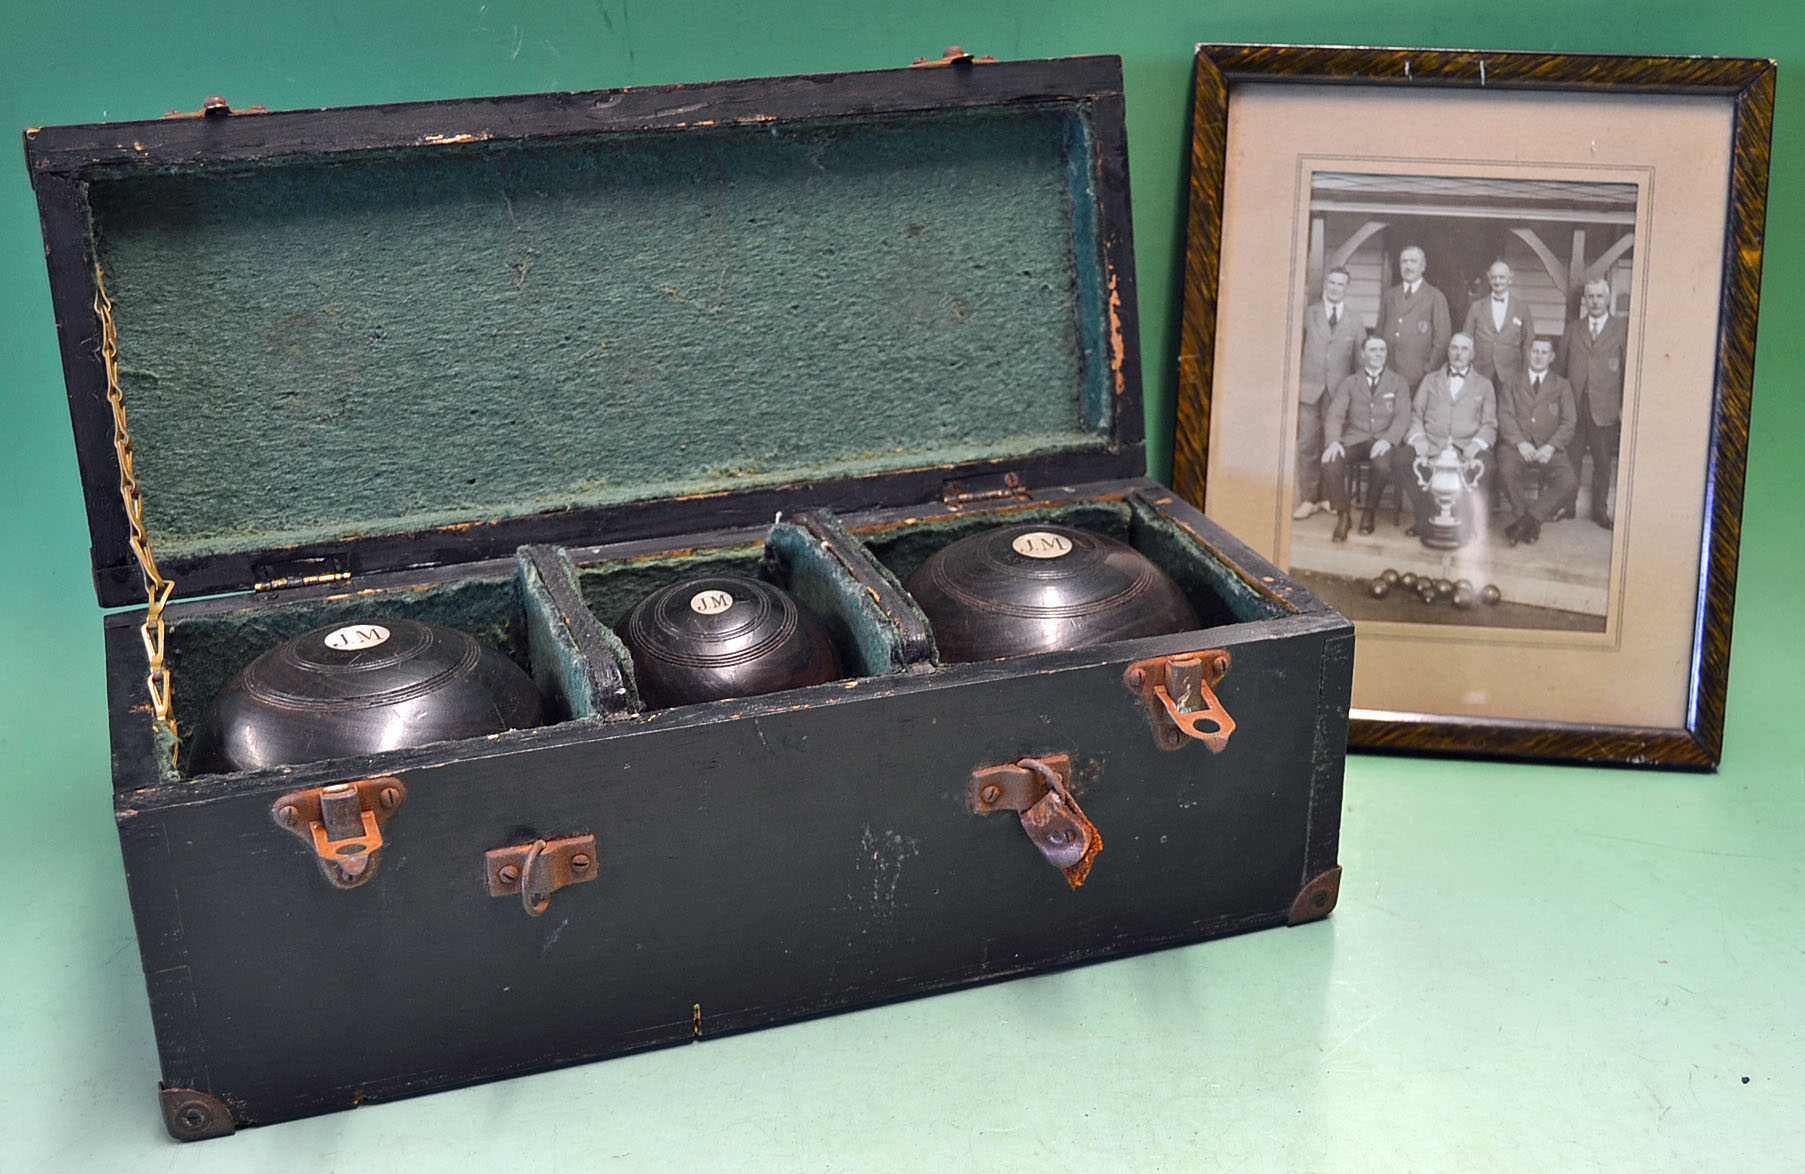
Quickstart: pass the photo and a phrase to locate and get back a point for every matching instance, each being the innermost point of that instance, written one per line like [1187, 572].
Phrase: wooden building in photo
[1554, 234]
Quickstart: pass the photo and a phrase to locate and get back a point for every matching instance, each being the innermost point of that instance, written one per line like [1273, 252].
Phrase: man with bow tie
[1454, 405]
[1366, 421]
[1332, 334]
[1413, 319]
[1535, 426]
[1502, 328]
[1596, 352]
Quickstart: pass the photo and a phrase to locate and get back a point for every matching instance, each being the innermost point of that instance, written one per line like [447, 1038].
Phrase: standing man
[1535, 426]
[1596, 350]
[1413, 319]
[1332, 334]
[1455, 405]
[1367, 418]
[1502, 328]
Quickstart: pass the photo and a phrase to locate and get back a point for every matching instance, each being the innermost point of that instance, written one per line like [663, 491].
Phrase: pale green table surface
[1532, 968]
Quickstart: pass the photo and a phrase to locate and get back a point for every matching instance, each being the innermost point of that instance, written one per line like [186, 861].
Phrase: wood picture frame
[1671, 151]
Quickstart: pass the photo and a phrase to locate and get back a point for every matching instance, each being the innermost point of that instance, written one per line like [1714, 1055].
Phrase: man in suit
[1332, 334]
[1535, 426]
[1366, 420]
[1413, 319]
[1454, 406]
[1596, 350]
[1502, 328]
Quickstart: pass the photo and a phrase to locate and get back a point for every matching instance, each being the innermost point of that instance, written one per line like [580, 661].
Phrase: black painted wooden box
[508, 364]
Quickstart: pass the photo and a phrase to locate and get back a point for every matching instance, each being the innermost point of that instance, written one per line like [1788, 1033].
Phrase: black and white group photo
[1460, 400]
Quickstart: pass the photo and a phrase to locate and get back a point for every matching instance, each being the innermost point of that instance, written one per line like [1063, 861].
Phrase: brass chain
[156, 587]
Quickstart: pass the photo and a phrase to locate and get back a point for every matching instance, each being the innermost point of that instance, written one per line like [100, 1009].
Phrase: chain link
[156, 587]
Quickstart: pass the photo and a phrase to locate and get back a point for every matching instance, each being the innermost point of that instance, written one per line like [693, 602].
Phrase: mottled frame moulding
[1223, 74]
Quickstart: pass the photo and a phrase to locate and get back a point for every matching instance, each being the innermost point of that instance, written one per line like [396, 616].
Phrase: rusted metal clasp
[537, 870]
[342, 823]
[953, 55]
[1179, 694]
[1038, 790]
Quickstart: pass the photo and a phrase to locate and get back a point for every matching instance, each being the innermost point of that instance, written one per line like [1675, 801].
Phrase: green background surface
[1531, 967]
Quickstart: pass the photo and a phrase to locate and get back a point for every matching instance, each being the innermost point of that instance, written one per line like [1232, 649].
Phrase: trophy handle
[1472, 472]
[1417, 466]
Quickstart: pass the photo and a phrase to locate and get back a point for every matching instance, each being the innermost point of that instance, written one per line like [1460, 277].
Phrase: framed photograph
[1468, 348]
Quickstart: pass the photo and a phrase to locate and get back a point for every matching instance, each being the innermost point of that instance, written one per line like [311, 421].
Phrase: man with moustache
[1413, 319]
[1454, 405]
[1332, 333]
[1535, 425]
[1502, 328]
[1596, 350]
[1366, 421]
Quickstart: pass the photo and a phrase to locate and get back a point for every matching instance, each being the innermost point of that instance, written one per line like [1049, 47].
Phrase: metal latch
[989, 487]
[1179, 694]
[539, 869]
[342, 823]
[1039, 790]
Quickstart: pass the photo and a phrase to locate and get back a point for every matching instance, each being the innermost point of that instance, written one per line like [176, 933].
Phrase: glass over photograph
[1462, 387]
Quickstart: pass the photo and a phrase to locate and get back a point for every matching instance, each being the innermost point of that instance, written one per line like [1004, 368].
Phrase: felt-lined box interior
[323, 346]
[580, 665]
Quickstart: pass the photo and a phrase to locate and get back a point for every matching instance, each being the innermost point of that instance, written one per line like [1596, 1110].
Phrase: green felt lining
[316, 348]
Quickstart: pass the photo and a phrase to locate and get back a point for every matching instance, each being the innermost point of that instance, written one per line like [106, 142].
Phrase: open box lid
[372, 338]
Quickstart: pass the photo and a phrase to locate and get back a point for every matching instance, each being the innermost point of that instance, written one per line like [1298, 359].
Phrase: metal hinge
[991, 487]
[215, 107]
[299, 573]
[953, 56]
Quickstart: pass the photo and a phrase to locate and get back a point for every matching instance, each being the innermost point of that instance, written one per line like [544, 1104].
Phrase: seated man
[1454, 405]
[1366, 419]
[1536, 419]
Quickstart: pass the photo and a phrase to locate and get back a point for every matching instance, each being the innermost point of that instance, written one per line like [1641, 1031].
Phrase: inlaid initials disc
[1021, 589]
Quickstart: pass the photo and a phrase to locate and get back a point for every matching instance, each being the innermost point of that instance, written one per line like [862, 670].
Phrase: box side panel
[754, 867]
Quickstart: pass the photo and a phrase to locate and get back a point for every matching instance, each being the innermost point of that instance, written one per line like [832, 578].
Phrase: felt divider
[858, 598]
[582, 659]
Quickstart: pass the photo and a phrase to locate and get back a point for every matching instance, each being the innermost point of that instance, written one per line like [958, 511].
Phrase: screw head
[288, 815]
[991, 793]
[1060, 837]
[579, 862]
[194, 1118]
[390, 796]
[508, 874]
[1136, 678]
